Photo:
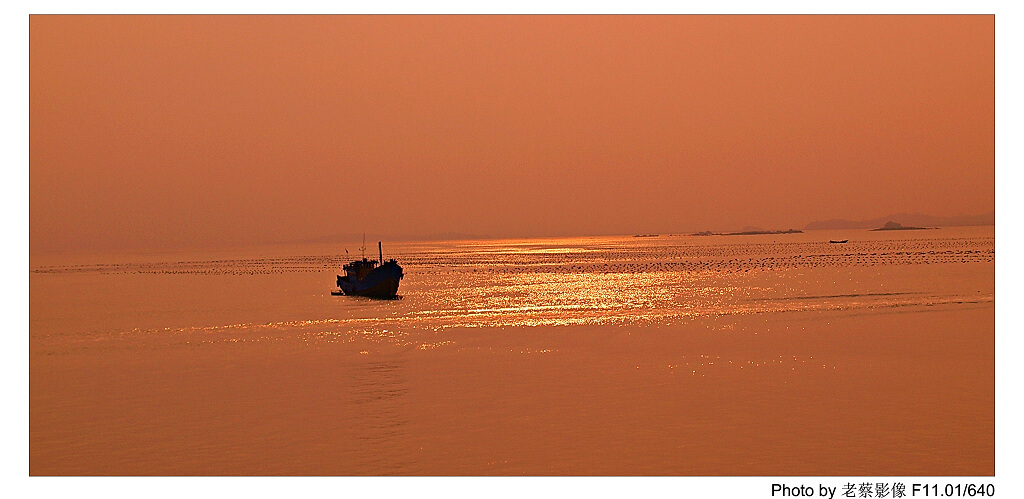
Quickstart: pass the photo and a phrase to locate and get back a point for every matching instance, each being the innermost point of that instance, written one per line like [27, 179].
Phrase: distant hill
[755, 232]
[895, 226]
[911, 219]
[762, 231]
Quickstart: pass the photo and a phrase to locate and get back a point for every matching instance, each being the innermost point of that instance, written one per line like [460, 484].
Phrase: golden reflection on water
[480, 368]
[712, 364]
[557, 282]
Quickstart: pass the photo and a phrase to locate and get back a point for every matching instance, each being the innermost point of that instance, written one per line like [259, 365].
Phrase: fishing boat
[370, 278]
[833, 241]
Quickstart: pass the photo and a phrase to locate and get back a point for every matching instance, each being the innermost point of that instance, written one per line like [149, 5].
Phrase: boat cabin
[359, 268]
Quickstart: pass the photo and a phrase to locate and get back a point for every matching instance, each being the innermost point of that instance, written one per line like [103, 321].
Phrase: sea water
[592, 355]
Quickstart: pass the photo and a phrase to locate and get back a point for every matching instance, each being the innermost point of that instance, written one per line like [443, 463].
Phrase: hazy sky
[170, 131]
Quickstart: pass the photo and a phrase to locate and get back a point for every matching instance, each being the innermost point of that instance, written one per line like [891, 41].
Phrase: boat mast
[363, 247]
[381, 250]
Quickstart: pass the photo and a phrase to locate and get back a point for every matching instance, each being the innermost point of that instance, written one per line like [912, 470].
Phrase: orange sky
[174, 131]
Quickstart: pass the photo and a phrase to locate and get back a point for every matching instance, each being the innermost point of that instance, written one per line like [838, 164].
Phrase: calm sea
[516, 356]
[284, 291]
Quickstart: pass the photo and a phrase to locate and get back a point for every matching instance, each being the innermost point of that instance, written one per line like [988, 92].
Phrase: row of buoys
[772, 262]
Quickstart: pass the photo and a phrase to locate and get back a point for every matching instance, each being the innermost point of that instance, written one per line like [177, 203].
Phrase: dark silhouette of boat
[367, 278]
[833, 241]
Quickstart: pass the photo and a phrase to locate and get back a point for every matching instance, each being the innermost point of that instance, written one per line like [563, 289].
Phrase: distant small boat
[833, 241]
[367, 278]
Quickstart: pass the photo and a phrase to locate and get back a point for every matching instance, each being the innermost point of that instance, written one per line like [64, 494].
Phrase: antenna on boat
[381, 249]
[363, 247]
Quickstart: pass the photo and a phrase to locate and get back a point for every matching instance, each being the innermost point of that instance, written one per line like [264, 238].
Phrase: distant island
[890, 225]
[758, 232]
[753, 232]
[911, 220]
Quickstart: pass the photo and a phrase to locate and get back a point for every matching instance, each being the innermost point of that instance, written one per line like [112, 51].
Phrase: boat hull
[381, 282]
